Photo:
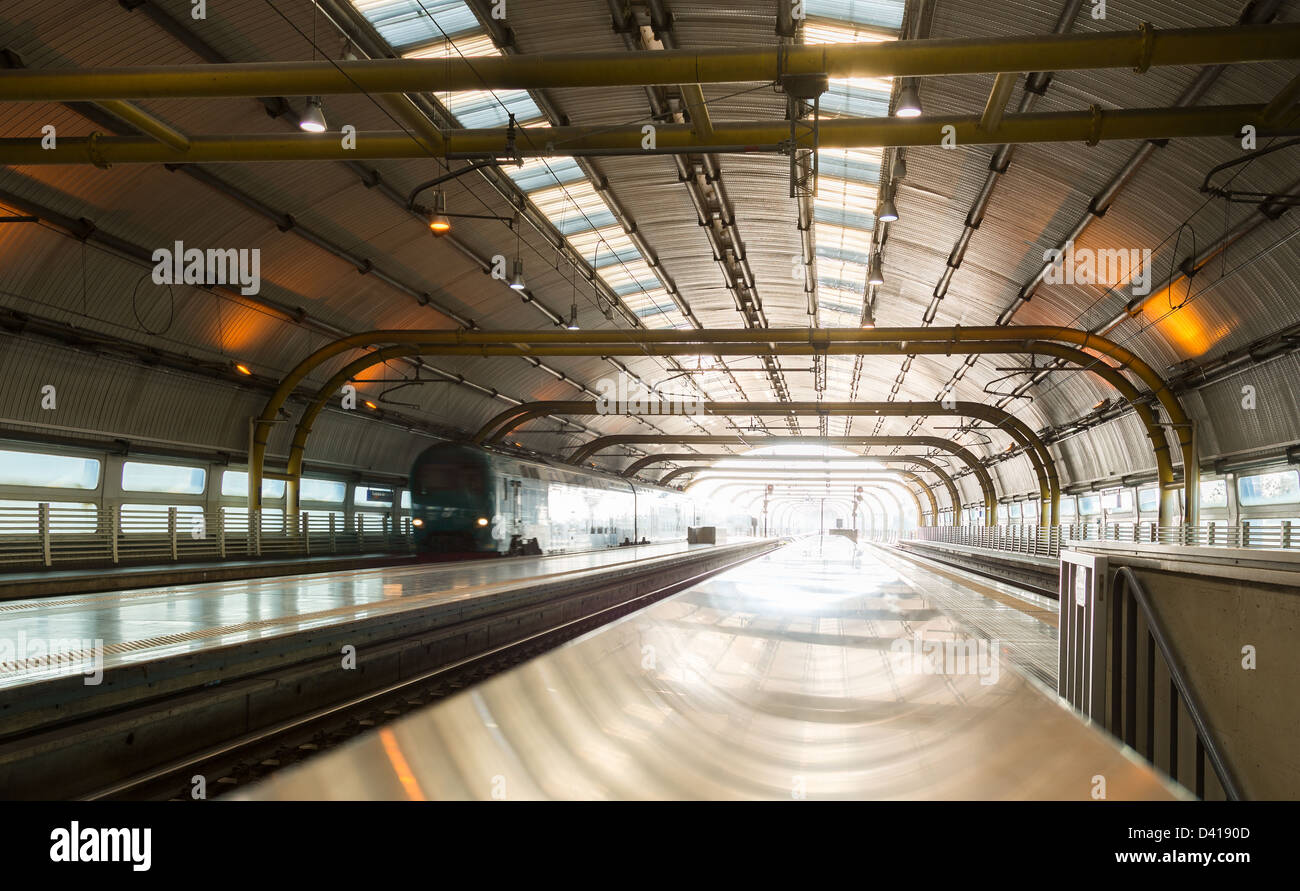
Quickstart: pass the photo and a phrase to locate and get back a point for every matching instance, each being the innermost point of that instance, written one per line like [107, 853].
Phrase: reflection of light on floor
[410, 785]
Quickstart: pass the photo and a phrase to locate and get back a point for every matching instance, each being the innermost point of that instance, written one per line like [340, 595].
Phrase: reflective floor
[815, 672]
[1023, 624]
[144, 624]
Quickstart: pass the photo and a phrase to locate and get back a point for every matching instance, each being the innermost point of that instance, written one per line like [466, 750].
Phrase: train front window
[458, 477]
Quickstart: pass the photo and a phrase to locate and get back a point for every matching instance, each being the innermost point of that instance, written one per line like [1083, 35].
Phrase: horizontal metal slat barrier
[1047, 541]
[50, 535]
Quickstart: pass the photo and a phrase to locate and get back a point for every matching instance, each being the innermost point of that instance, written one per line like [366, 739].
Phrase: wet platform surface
[150, 623]
[818, 671]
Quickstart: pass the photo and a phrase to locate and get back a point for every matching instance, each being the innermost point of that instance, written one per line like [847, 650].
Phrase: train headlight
[482, 521]
[417, 522]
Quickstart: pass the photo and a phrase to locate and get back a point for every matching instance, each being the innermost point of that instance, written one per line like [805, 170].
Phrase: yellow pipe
[701, 123]
[142, 120]
[764, 136]
[1139, 49]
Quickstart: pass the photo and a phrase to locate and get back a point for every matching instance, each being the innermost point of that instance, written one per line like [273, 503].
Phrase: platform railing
[48, 536]
[1047, 541]
[1118, 666]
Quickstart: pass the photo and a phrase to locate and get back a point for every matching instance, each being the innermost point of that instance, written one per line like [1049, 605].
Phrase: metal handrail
[1046, 541]
[1222, 770]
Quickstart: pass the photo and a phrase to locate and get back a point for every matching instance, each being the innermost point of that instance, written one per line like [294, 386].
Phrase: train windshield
[449, 473]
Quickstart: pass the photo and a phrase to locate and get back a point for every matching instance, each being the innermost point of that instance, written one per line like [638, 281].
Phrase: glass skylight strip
[845, 100]
[432, 29]
[860, 166]
[467, 45]
[483, 109]
[545, 173]
[873, 13]
[838, 215]
[404, 23]
[831, 187]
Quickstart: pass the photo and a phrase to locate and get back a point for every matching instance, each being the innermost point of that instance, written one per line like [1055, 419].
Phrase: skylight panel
[404, 23]
[483, 109]
[468, 45]
[544, 173]
[859, 102]
[632, 280]
[846, 190]
[605, 247]
[882, 14]
[852, 164]
[819, 32]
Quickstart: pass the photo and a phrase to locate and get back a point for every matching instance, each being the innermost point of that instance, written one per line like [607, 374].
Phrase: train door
[509, 523]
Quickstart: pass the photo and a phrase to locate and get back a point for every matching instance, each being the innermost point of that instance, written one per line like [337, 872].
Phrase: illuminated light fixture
[417, 522]
[868, 317]
[573, 318]
[482, 521]
[1010, 446]
[909, 102]
[313, 117]
[439, 224]
[371, 405]
[517, 282]
[243, 369]
[886, 212]
[1100, 405]
[875, 275]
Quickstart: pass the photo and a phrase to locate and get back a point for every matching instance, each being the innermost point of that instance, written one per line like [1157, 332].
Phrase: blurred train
[466, 500]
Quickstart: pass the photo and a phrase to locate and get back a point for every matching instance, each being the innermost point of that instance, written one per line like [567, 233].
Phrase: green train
[466, 501]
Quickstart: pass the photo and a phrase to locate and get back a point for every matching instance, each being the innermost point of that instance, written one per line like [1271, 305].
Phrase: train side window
[1282, 487]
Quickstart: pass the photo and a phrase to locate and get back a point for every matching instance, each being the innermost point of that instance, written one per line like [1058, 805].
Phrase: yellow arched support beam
[722, 456]
[1040, 458]
[770, 342]
[979, 470]
[855, 479]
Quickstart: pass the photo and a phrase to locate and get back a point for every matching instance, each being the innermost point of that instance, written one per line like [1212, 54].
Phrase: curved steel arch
[767, 342]
[949, 484]
[855, 480]
[681, 471]
[979, 470]
[1049, 483]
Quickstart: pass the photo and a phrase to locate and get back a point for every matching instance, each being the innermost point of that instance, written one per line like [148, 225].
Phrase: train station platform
[150, 668]
[65, 582]
[822, 670]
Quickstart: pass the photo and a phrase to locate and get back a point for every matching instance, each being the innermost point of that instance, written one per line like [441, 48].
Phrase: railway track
[242, 760]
